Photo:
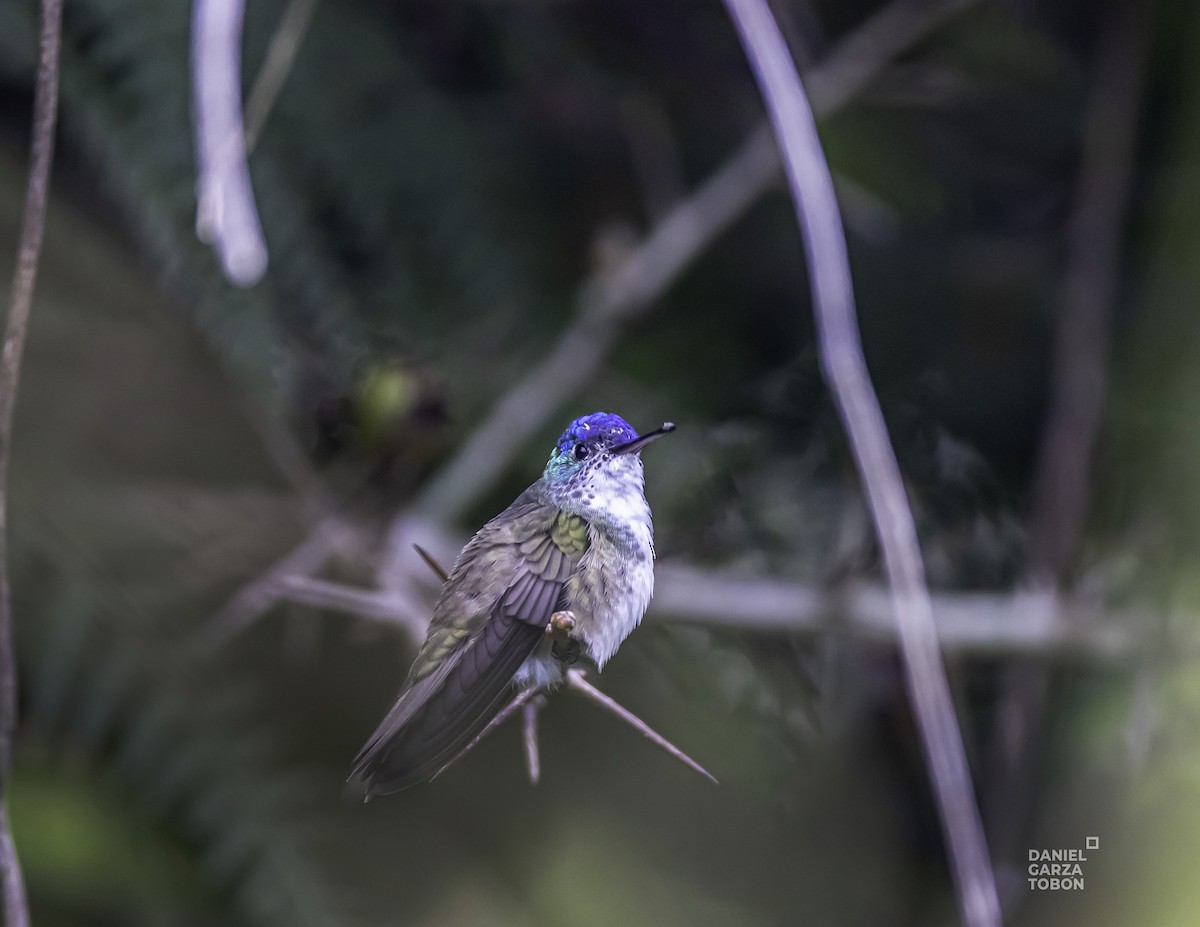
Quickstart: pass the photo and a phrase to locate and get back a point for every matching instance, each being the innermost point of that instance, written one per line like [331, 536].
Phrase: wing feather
[467, 663]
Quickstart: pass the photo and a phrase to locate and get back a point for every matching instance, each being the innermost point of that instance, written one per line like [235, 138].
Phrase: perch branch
[33, 225]
[846, 372]
[1035, 625]
[529, 718]
[226, 215]
[519, 700]
[530, 701]
[576, 681]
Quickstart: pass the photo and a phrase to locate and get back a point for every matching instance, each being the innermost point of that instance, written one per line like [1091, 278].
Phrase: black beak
[632, 447]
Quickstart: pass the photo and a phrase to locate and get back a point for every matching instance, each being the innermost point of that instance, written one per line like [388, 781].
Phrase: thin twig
[980, 624]
[281, 55]
[1032, 624]
[388, 607]
[846, 372]
[615, 297]
[576, 681]
[503, 715]
[33, 224]
[529, 719]
[438, 570]
[225, 212]
[257, 597]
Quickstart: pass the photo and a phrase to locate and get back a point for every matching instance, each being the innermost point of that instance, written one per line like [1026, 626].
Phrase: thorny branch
[576, 680]
[33, 224]
[530, 701]
[846, 373]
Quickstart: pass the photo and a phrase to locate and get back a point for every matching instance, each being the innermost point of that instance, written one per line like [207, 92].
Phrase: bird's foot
[561, 623]
[563, 646]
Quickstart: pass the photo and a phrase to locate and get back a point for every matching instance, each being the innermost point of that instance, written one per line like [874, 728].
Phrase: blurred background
[215, 489]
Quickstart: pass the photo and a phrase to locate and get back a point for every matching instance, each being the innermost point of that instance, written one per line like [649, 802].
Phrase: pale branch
[980, 624]
[33, 225]
[529, 719]
[261, 594]
[989, 625]
[845, 370]
[388, 607]
[226, 215]
[281, 55]
[612, 299]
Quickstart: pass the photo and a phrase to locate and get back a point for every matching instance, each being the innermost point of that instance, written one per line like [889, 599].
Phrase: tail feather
[434, 720]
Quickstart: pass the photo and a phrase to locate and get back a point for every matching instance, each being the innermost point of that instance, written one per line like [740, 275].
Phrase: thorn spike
[576, 681]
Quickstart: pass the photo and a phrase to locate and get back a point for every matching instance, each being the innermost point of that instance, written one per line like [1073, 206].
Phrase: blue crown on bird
[600, 431]
[598, 428]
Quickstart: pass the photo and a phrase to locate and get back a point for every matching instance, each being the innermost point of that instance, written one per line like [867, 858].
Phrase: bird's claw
[563, 647]
[561, 623]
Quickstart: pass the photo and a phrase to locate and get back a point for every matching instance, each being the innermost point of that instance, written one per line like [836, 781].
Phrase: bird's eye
[581, 451]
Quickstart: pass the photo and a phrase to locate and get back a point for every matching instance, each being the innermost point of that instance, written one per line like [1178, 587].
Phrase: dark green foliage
[435, 182]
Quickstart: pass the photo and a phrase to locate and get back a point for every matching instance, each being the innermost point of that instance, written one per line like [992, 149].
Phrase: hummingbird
[566, 570]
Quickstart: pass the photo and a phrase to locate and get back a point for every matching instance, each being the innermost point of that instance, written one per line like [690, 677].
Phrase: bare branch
[281, 55]
[576, 681]
[518, 701]
[260, 595]
[1035, 624]
[1089, 291]
[846, 372]
[226, 215]
[33, 224]
[611, 300]
[388, 607]
[983, 624]
[529, 718]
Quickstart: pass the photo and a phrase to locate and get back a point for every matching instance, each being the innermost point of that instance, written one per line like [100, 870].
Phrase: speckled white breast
[610, 589]
[615, 579]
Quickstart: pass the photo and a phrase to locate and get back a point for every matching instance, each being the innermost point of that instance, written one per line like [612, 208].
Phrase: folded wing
[464, 670]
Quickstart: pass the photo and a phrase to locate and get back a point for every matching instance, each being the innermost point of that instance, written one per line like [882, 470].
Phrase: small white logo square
[1092, 843]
